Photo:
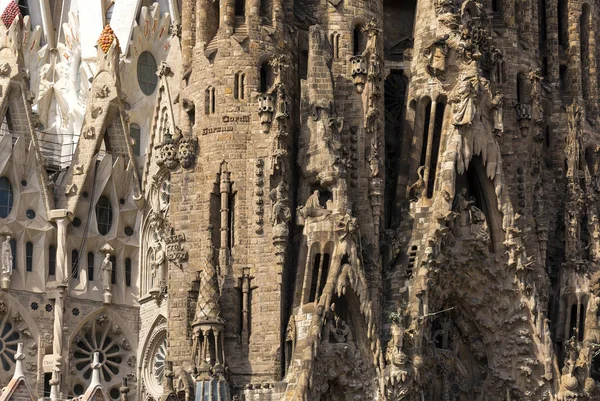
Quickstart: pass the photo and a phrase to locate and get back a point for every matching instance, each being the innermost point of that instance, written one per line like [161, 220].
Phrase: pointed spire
[96, 371]
[19, 356]
[208, 309]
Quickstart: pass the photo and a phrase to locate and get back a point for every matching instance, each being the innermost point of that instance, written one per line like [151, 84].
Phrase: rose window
[109, 341]
[159, 361]
[154, 362]
[9, 339]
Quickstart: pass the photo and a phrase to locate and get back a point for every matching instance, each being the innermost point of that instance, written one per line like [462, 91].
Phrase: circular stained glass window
[6, 197]
[146, 73]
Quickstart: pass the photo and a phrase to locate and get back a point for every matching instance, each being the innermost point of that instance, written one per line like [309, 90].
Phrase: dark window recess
[104, 215]
[76, 222]
[51, 260]
[47, 387]
[30, 213]
[90, 266]
[29, 256]
[128, 272]
[135, 133]
[314, 278]
[113, 273]
[6, 197]
[75, 263]
[128, 231]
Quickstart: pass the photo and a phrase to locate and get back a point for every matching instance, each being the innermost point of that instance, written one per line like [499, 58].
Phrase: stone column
[225, 189]
[227, 16]
[202, 21]
[47, 23]
[62, 218]
[429, 145]
[186, 32]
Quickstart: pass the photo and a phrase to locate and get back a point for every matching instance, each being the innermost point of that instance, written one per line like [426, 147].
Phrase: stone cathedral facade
[316, 200]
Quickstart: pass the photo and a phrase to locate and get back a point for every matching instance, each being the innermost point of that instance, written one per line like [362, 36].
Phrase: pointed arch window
[51, 260]
[239, 86]
[75, 263]
[209, 100]
[29, 256]
[128, 272]
[104, 215]
[6, 197]
[266, 77]
[90, 266]
[146, 73]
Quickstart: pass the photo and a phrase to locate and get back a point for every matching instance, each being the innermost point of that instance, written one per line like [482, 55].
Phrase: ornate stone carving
[259, 209]
[266, 108]
[359, 72]
[187, 151]
[4, 69]
[436, 54]
[7, 262]
[107, 272]
[175, 251]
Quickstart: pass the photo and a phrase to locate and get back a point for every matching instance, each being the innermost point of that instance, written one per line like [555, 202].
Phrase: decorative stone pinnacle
[106, 39]
[19, 356]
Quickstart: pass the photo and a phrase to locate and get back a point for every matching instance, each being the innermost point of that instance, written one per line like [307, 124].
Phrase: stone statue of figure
[107, 273]
[7, 258]
[436, 55]
[313, 201]
[497, 106]
[462, 206]
[156, 265]
[464, 97]
[281, 213]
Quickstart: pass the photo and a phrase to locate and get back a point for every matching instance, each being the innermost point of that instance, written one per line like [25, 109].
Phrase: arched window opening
[266, 77]
[522, 88]
[476, 204]
[209, 100]
[435, 146]
[29, 256]
[128, 272]
[358, 40]
[75, 263]
[240, 8]
[6, 197]
[104, 215]
[266, 11]
[113, 273]
[90, 266]
[564, 82]
[335, 44]
[577, 321]
[394, 95]
[239, 86]
[146, 73]
[51, 260]
[426, 117]
[303, 65]
[563, 24]
[324, 274]
[314, 278]
[135, 133]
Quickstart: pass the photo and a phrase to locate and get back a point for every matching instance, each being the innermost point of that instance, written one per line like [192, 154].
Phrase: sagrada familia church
[299, 200]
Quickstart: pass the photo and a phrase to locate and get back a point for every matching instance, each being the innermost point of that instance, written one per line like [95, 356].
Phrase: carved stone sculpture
[107, 269]
[7, 262]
